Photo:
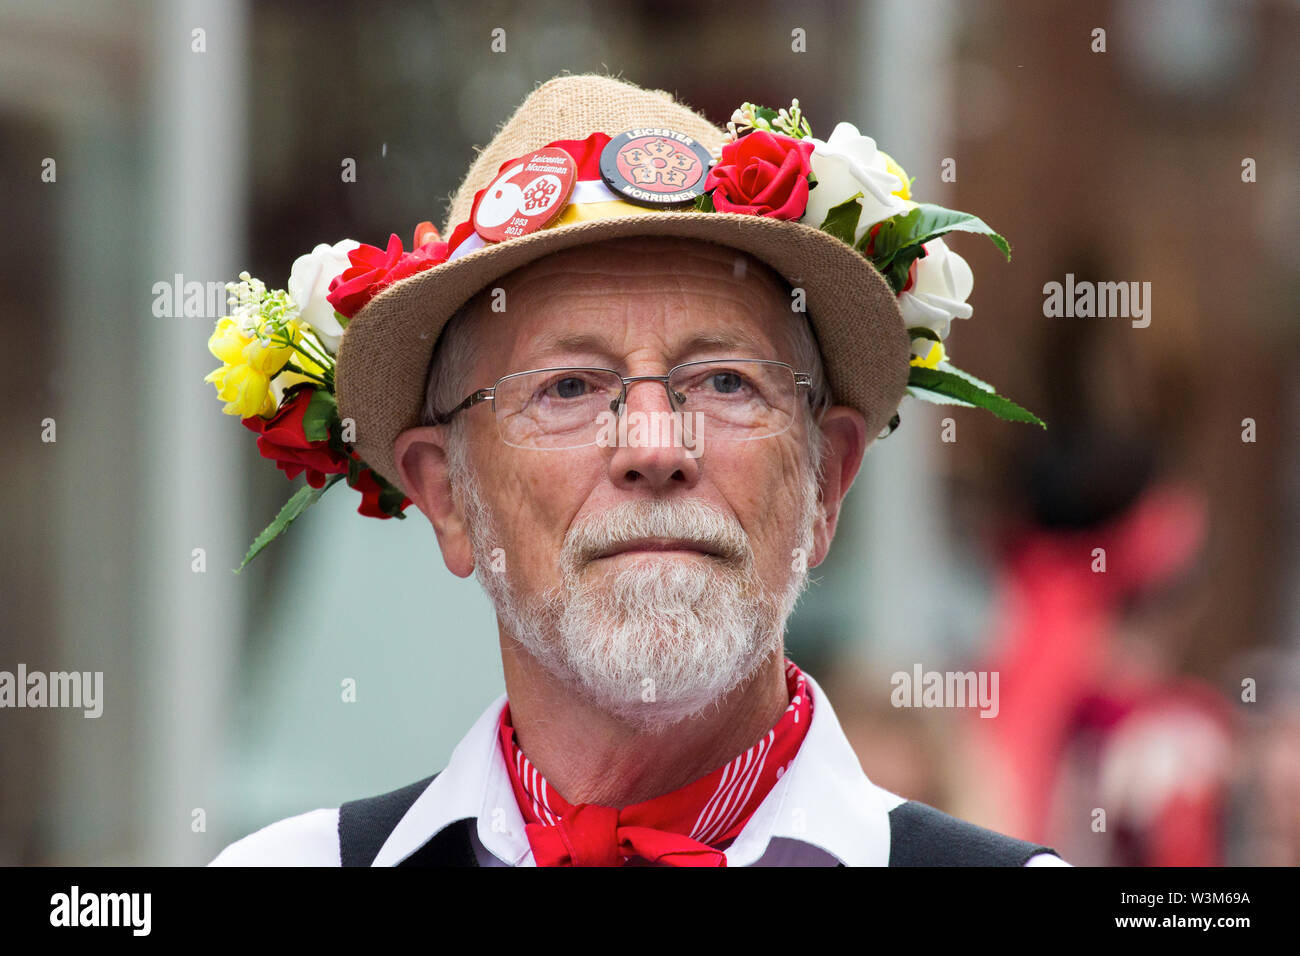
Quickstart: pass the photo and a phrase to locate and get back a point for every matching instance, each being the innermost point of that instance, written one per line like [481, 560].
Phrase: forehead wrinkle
[615, 301]
[594, 342]
[699, 261]
[728, 327]
[644, 291]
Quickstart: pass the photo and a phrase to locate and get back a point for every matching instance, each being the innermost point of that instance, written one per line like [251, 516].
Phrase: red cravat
[684, 828]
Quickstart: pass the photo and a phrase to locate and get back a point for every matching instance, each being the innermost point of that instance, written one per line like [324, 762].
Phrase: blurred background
[151, 144]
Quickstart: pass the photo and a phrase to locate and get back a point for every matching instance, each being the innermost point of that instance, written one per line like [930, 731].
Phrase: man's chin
[653, 670]
[645, 707]
[652, 638]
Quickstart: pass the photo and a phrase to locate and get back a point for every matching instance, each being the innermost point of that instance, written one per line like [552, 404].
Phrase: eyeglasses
[573, 407]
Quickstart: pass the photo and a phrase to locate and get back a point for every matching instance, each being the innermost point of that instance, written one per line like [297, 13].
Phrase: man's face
[648, 570]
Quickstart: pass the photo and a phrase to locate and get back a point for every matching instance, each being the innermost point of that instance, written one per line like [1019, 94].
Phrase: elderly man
[632, 439]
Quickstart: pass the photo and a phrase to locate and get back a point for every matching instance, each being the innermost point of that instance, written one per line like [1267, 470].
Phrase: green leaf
[342, 319]
[767, 113]
[337, 445]
[842, 221]
[921, 332]
[322, 412]
[900, 234]
[896, 272]
[390, 499]
[302, 499]
[935, 398]
[960, 387]
[704, 202]
[946, 366]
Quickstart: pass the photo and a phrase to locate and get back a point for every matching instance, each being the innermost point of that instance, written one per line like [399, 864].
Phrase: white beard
[654, 641]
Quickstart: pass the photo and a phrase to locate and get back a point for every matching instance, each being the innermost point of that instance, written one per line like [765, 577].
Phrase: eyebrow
[721, 339]
[569, 342]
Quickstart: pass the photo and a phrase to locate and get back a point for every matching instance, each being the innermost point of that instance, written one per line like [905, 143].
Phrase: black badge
[652, 166]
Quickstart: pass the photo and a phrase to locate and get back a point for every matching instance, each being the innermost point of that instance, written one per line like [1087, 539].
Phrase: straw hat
[384, 356]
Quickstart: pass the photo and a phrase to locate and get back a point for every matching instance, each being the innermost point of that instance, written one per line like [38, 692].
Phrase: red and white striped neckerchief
[687, 827]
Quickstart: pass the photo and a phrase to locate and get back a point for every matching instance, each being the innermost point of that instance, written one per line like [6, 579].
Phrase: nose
[655, 451]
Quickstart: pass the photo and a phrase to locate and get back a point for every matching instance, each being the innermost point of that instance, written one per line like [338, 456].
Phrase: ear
[421, 458]
[846, 443]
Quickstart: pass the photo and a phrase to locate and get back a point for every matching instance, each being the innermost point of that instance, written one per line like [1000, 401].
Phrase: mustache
[689, 520]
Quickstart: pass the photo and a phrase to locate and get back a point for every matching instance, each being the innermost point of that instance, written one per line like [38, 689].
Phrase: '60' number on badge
[527, 195]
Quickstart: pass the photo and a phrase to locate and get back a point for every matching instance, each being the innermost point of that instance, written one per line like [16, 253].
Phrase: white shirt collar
[824, 800]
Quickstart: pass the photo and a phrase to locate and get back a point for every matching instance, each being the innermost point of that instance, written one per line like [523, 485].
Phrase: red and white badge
[528, 194]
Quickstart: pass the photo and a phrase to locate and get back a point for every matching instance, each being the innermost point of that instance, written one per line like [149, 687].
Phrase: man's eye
[568, 388]
[726, 383]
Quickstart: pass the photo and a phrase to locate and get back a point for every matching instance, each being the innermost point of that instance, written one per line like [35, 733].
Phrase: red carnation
[911, 272]
[282, 440]
[426, 233]
[374, 269]
[762, 174]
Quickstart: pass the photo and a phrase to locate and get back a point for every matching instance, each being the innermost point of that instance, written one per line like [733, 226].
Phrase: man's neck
[587, 756]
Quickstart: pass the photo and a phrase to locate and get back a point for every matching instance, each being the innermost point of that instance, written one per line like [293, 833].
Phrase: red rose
[370, 486]
[762, 174]
[374, 269]
[282, 440]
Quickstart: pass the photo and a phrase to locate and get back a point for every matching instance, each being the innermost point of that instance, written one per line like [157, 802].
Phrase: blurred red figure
[1093, 719]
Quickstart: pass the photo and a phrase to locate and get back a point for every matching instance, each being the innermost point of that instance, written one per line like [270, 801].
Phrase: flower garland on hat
[278, 348]
[770, 164]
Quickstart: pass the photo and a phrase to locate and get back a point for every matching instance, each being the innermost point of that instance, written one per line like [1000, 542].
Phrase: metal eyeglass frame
[801, 380]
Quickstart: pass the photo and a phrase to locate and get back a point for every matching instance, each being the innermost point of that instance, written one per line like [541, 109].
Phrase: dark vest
[919, 835]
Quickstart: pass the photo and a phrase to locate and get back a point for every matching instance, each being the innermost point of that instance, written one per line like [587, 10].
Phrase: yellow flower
[244, 380]
[226, 342]
[897, 170]
[932, 358]
[246, 391]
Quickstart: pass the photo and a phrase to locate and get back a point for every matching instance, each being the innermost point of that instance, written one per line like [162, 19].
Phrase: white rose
[846, 164]
[943, 284]
[309, 283]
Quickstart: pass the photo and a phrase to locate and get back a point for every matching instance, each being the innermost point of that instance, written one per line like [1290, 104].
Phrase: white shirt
[821, 812]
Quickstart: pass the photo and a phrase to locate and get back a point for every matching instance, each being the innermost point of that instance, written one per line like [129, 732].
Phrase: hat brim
[384, 356]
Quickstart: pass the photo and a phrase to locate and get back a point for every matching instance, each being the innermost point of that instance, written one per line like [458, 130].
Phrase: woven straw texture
[384, 356]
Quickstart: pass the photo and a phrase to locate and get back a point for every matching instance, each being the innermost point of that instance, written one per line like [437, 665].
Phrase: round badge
[655, 167]
[527, 194]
